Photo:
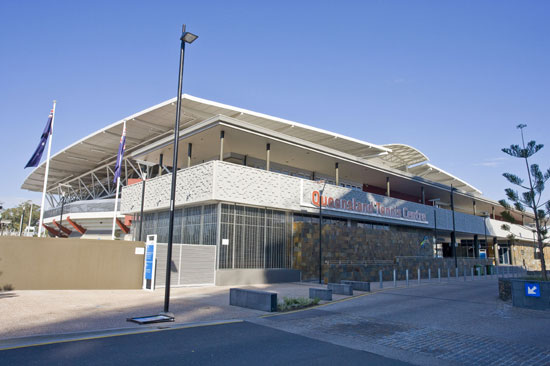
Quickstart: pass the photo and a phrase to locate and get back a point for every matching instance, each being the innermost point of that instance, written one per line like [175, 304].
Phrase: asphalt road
[241, 343]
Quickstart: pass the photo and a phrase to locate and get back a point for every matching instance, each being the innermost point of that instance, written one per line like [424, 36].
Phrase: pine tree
[532, 195]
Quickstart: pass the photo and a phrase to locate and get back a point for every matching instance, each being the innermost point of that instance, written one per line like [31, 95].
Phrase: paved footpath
[434, 324]
[453, 322]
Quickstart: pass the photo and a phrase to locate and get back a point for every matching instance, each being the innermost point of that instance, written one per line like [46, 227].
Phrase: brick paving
[352, 326]
[440, 344]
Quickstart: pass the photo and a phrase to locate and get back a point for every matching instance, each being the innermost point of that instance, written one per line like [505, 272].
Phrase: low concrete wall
[63, 264]
[519, 298]
[251, 276]
[340, 289]
[358, 285]
[253, 299]
[320, 293]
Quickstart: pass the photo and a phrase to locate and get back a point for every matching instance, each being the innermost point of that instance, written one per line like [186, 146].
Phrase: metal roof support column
[388, 186]
[126, 172]
[474, 206]
[422, 195]
[160, 165]
[222, 136]
[267, 152]
[108, 179]
[476, 246]
[189, 151]
[336, 175]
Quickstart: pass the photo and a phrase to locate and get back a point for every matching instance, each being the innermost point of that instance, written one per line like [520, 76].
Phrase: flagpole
[119, 164]
[46, 174]
[115, 210]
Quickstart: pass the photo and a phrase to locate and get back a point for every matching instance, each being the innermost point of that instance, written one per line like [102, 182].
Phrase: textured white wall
[222, 181]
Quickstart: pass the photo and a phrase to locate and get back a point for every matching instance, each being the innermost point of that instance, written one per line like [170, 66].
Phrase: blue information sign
[532, 289]
[149, 256]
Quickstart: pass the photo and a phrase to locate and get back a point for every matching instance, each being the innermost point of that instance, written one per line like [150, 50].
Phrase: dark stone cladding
[358, 253]
[505, 289]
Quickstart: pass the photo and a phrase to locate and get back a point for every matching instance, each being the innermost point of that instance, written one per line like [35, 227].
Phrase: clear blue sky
[451, 78]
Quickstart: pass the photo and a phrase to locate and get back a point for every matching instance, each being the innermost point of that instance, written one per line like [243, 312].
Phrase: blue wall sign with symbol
[532, 289]
[149, 256]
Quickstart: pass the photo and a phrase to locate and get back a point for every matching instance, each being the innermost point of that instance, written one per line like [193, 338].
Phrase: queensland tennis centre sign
[369, 206]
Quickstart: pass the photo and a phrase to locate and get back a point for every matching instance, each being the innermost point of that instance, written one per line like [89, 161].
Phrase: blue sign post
[532, 289]
[150, 261]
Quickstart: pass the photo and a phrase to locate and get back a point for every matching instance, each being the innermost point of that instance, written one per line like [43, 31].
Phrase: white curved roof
[157, 122]
[403, 156]
[435, 174]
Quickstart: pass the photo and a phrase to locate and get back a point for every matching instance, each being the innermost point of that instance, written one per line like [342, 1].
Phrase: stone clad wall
[342, 244]
[355, 253]
[523, 254]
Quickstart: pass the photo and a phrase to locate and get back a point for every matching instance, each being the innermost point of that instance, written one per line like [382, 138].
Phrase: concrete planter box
[253, 299]
[520, 297]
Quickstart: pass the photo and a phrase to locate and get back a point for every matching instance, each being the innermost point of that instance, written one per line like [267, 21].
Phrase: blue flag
[120, 155]
[35, 159]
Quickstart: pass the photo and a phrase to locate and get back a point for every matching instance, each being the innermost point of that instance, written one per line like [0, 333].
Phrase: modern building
[250, 192]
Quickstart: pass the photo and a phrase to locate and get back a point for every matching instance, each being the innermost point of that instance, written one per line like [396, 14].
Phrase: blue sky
[451, 78]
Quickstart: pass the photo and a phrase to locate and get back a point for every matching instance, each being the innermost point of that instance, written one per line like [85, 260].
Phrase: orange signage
[371, 207]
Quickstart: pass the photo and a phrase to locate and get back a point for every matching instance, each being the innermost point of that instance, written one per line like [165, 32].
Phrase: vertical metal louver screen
[191, 265]
[192, 225]
[254, 238]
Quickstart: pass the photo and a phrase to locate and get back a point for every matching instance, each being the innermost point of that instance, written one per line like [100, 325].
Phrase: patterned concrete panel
[194, 184]
[216, 180]
[246, 185]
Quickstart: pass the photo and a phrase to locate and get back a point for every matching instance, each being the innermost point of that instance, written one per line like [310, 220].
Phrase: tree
[14, 215]
[532, 193]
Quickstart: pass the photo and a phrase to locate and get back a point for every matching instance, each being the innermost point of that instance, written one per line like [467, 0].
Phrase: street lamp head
[188, 37]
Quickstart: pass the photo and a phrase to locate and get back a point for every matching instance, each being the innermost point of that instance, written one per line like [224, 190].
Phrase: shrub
[294, 303]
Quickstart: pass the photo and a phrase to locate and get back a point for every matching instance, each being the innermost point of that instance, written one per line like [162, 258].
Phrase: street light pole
[453, 234]
[62, 206]
[321, 231]
[143, 178]
[186, 37]
[433, 201]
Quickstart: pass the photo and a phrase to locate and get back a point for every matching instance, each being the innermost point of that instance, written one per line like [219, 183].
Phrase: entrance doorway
[503, 254]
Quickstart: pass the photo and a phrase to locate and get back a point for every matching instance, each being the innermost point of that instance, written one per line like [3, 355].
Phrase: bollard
[418, 275]
[472, 272]
[497, 272]
[448, 274]
[464, 273]
[456, 272]
[407, 276]
[439, 274]
[394, 279]
[381, 283]
[429, 274]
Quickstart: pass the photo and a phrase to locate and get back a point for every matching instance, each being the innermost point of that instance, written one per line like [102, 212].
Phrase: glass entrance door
[503, 255]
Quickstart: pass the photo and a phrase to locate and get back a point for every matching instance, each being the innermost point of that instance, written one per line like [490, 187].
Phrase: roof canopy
[403, 156]
[150, 125]
[435, 174]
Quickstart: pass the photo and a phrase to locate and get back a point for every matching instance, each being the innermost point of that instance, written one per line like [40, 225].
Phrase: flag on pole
[120, 155]
[35, 159]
